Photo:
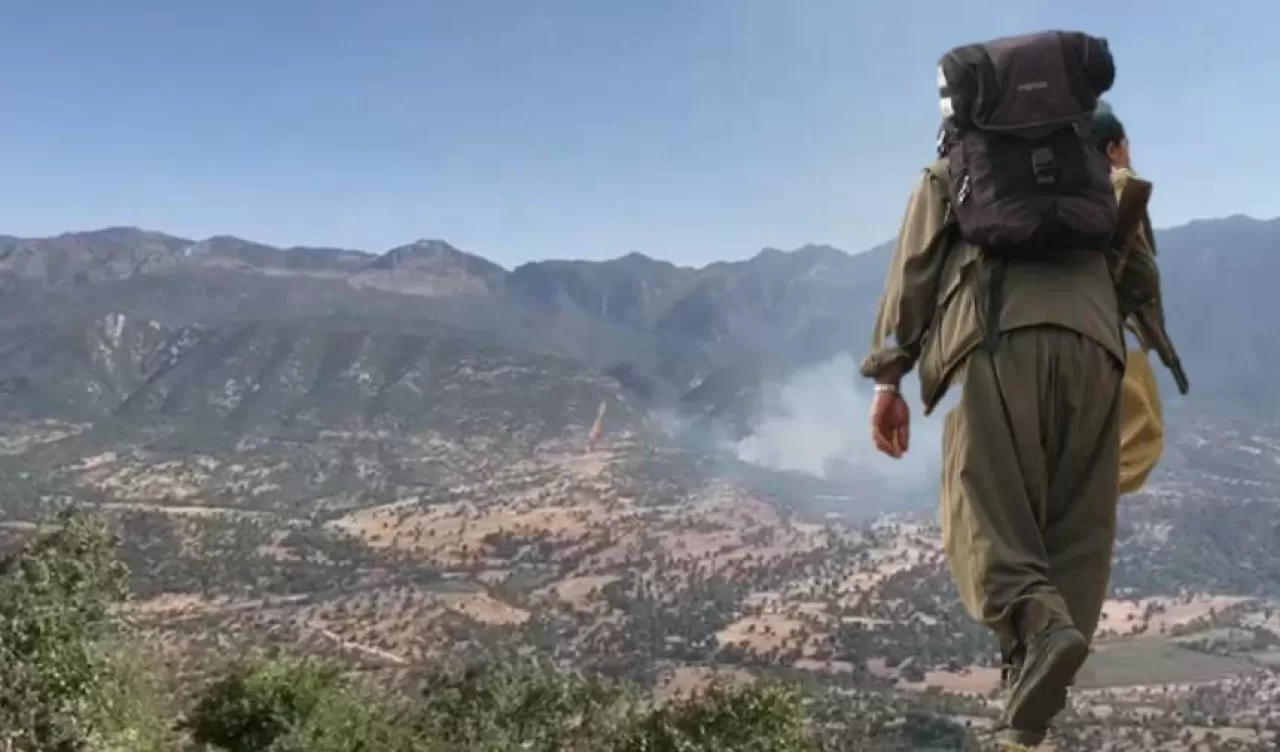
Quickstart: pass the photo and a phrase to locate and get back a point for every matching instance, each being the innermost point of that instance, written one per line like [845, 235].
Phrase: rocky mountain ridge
[702, 338]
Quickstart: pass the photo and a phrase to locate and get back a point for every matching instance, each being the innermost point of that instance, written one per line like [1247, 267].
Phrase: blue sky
[691, 130]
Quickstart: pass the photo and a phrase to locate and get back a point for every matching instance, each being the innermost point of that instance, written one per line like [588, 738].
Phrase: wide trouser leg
[1030, 482]
[1084, 484]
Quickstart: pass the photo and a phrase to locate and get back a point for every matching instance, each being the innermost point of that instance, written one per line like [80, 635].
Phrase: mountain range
[662, 330]
[704, 339]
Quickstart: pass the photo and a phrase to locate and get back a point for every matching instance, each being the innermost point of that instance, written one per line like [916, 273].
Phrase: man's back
[1071, 289]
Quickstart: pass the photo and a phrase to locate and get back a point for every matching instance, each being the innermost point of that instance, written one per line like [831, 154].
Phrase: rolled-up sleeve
[910, 292]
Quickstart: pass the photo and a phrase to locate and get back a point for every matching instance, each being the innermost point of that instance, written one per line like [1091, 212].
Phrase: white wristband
[886, 388]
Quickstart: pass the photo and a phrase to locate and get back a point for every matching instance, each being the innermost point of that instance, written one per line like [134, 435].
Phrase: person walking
[1001, 284]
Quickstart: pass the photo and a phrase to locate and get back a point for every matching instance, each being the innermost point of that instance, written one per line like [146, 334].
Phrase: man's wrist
[889, 378]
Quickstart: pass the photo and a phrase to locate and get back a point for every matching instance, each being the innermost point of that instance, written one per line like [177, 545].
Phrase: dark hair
[1106, 129]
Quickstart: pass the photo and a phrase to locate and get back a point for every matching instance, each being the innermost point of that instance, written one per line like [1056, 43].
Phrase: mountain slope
[706, 339]
[1219, 278]
[263, 375]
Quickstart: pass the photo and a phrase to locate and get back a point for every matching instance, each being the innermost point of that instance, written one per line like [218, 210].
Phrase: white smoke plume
[817, 422]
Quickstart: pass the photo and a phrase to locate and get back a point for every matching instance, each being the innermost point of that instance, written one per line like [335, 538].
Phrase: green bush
[57, 597]
[284, 705]
[135, 709]
[262, 702]
[499, 707]
[756, 718]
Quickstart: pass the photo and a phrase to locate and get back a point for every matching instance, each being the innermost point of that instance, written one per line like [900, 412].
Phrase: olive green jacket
[932, 311]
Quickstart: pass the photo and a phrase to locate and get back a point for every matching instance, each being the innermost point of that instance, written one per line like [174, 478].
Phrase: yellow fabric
[1141, 422]
[1141, 418]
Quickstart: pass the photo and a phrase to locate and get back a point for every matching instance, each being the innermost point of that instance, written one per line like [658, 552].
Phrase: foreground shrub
[285, 705]
[57, 601]
[756, 718]
[136, 708]
[499, 707]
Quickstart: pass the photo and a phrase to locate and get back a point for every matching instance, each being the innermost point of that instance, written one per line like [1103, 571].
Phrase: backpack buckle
[1044, 166]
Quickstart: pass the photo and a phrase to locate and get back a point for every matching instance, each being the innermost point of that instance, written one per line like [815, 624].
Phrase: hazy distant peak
[641, 263]
[636, 257]
[433, 254]
[820, 248]
[226, 244]
[806, 250]
[433, 245]
[1232, 221]
[114, 230]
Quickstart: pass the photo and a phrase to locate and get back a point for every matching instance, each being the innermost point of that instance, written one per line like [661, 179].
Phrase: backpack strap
[993, 284]
[1131, 214]
[940, 170]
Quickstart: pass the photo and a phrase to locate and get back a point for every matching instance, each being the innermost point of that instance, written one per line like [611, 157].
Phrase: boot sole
[1004, 744]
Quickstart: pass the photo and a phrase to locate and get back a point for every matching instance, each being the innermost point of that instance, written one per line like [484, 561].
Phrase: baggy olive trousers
[1030, 481]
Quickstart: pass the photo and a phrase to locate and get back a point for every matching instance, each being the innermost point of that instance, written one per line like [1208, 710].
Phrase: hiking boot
[1039, 688]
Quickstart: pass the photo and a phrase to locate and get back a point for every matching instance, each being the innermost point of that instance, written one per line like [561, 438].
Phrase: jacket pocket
[947, 330]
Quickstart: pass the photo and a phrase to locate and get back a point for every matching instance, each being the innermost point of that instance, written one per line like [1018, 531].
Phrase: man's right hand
[891, 424]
